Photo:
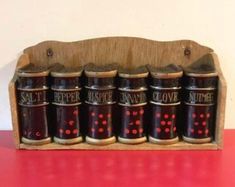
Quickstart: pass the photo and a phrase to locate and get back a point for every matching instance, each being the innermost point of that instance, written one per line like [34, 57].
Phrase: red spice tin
[132, 92]
[100, 103]
[165, 90]
[66, 88]
[33, 103]
[200, 95]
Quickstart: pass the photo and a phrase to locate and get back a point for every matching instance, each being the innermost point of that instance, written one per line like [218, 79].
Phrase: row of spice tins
[108, 104]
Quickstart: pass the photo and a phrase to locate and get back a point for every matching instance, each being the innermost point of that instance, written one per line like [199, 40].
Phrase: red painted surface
[22, 168]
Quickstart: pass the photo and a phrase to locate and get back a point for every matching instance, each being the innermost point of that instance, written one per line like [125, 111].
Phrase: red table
[116, 168]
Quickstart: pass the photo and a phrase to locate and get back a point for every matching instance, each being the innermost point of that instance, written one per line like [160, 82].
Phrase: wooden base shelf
[119, 146]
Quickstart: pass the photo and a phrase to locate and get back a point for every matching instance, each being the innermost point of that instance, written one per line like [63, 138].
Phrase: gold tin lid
[166, 72]
[203, 67]
[62, 71]
[31, 70]
[139, 72]
[101, 71]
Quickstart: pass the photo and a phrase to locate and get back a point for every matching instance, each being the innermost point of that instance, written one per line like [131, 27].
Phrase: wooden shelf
[118, 146]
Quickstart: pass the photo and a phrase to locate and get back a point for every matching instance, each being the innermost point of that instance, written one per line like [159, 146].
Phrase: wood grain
[221, 104]
[118, 146]
[129, 52]
[23, 60]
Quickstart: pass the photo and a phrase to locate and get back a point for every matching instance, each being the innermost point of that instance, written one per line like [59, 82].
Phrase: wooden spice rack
[129, 52]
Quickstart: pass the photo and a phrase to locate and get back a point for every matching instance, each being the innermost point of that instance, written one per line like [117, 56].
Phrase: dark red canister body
[32, 92]
[132, 92]
[165, 91]
[66, 103]
[100, 105]
[200, 94]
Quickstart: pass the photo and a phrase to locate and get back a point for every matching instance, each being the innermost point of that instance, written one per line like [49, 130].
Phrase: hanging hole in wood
[50, 52]
[187, 51]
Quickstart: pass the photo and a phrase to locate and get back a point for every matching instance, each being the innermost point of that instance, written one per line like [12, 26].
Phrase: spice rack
[128, 52]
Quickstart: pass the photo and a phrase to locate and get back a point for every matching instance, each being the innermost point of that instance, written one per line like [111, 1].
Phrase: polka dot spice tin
[33, 102]
[132, 92]
[100, 103]
[165, 89]
[200, 95]
[66, 102]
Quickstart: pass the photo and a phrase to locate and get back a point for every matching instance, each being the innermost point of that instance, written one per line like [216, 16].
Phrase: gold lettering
[201, 97]
[67, 97]
[166, 97]
[99, 97]
[132, 98]
[31, 97]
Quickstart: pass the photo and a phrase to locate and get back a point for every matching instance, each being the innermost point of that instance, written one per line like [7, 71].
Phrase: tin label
[66, 97]
[161, 96]
[100, 96]
[32, 97]
[132, 98]
[200, 96]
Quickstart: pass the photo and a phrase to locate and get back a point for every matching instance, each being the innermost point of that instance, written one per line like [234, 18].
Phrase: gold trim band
[197, 140]
[164, 104]
[165, 88]
[62, 104]
[33, 89]
[163, 141]
[66, 74]
[37, 105]
[66, 90]
[100, 88]
[33, 74]
[68, 141]
[101, 141]
[132, 141]
[132, 105]
[192, 88]
[95, 103]
[36, 142]
[132, 76]
[212, 74]
[162, 75]
[100, 74]
[133, 90]
[199, 104]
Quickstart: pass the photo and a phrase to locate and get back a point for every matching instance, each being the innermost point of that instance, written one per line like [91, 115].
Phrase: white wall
[27, 22]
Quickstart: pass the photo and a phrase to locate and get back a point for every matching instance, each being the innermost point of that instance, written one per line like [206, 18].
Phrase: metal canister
[32, 91]
[165, 90]
[132, 103]
[66, 88]
[100, 103]
[200, 95]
